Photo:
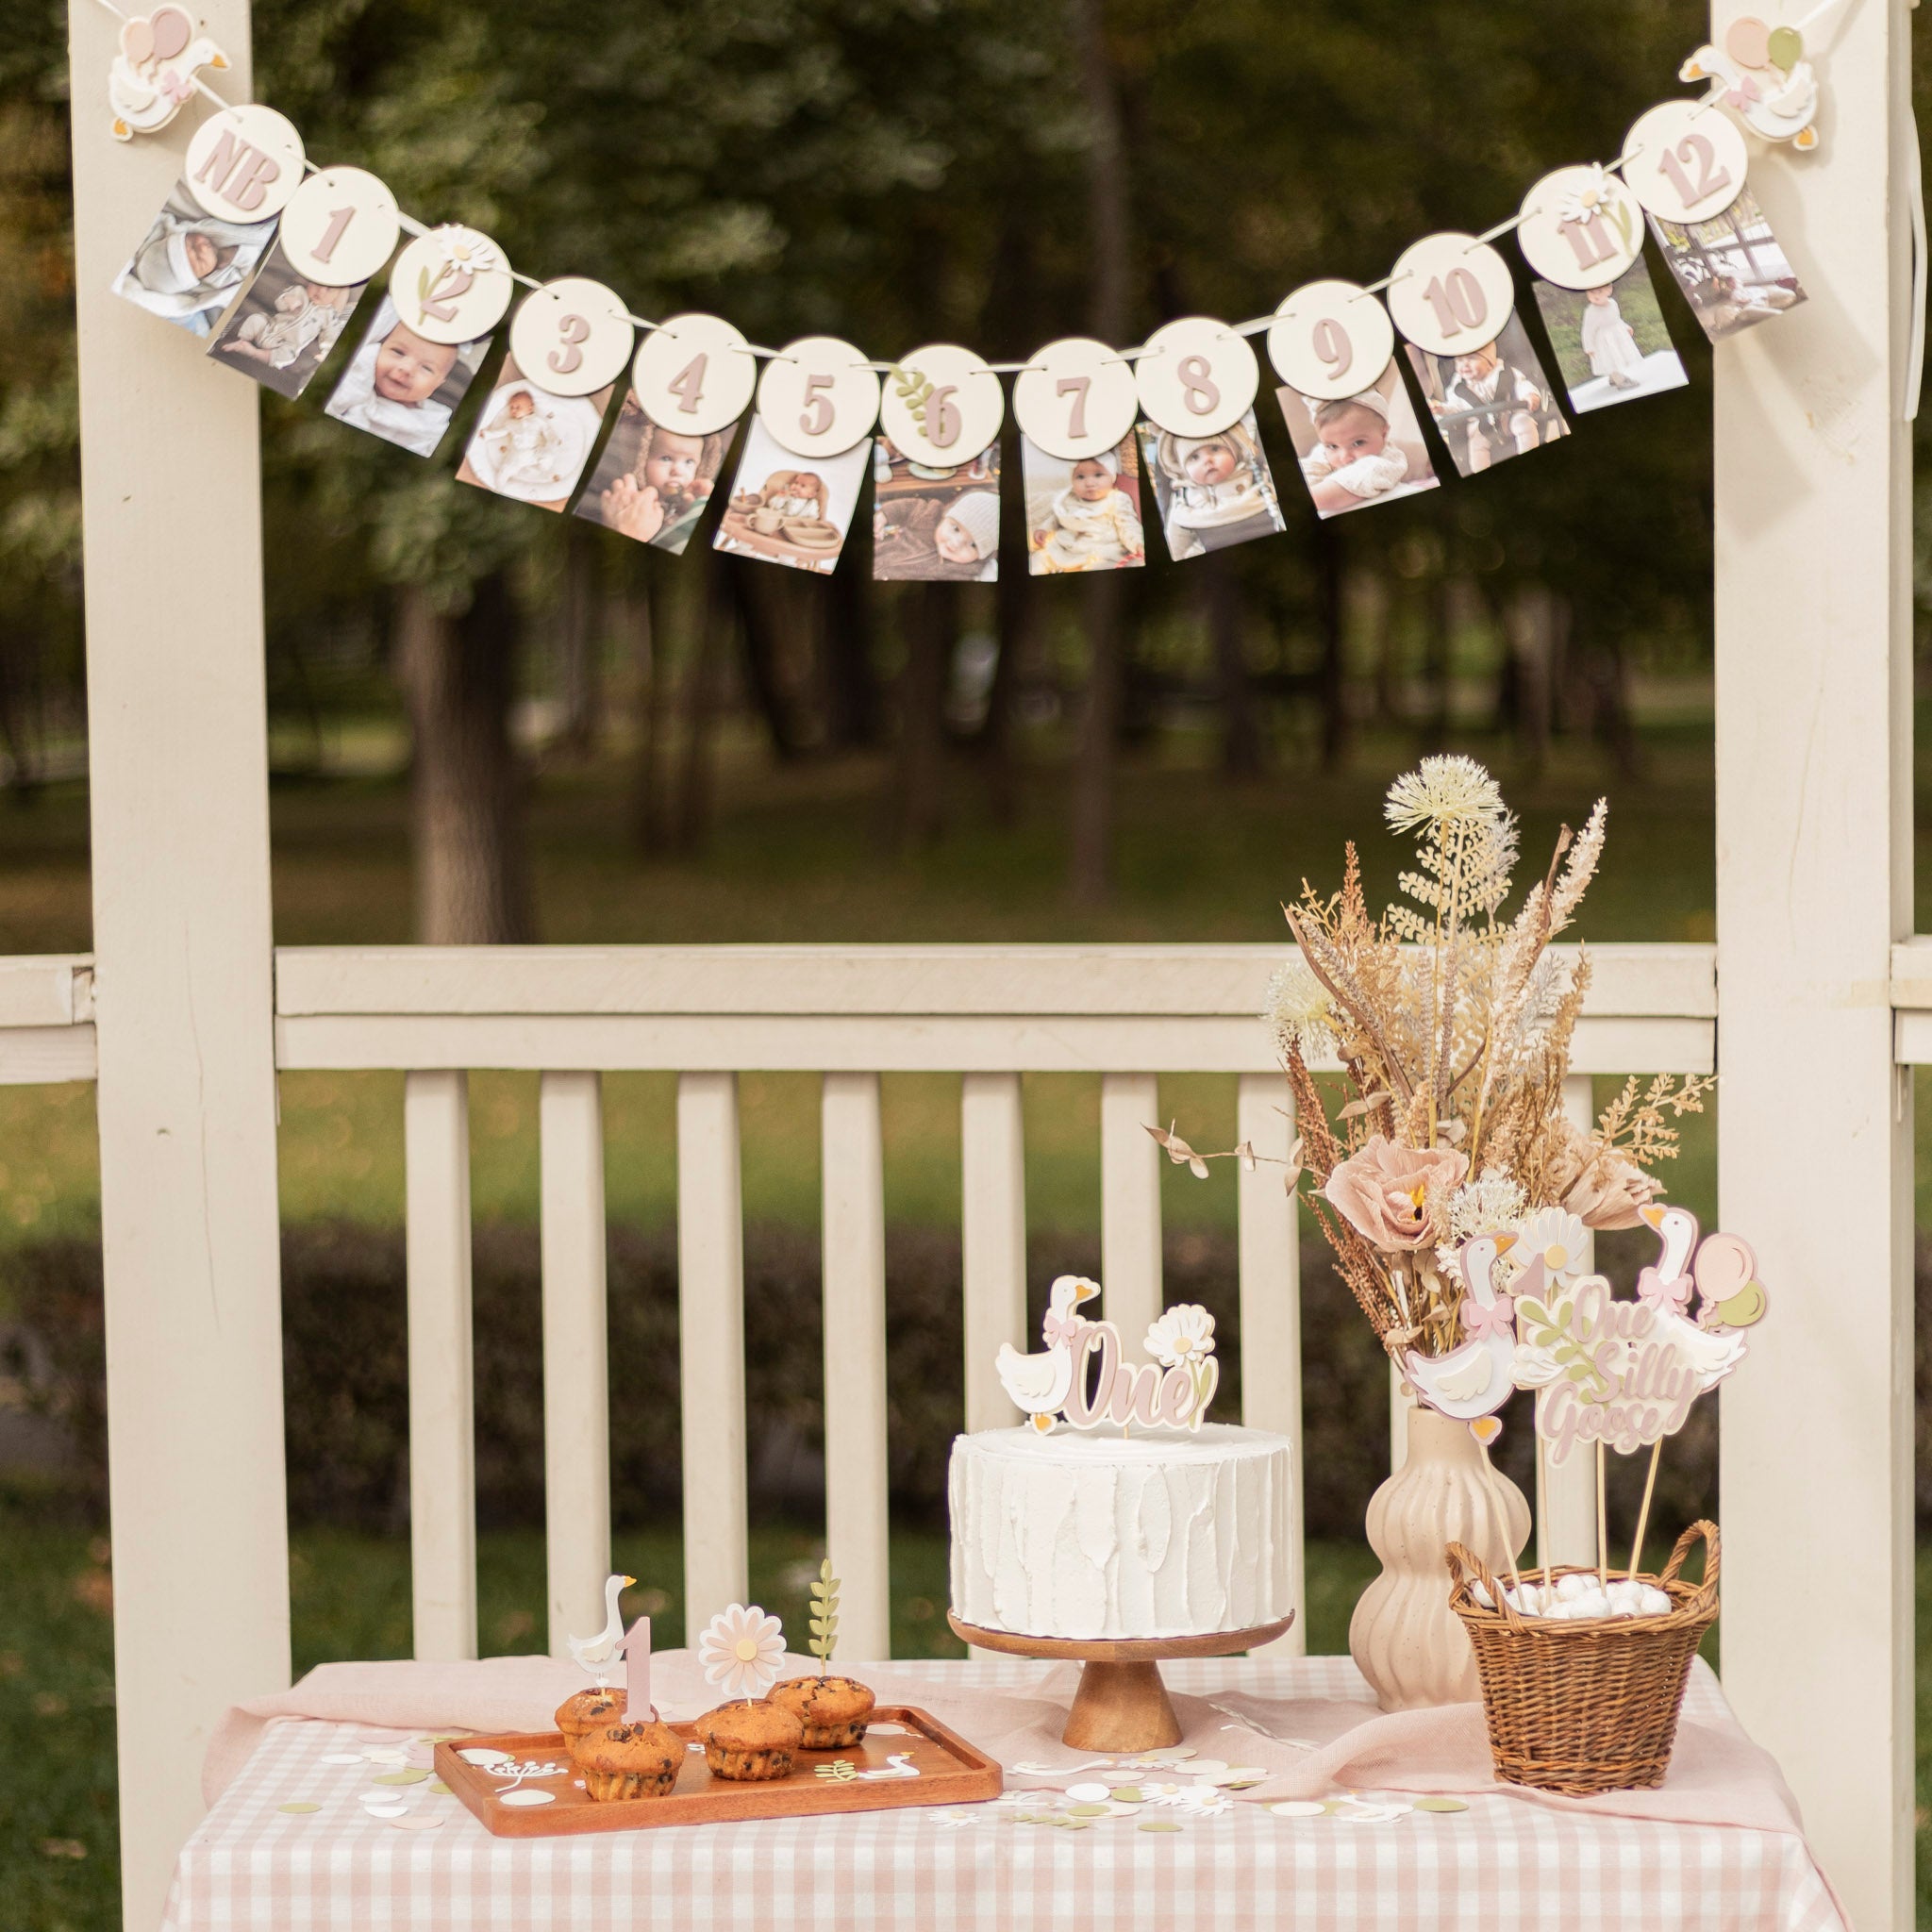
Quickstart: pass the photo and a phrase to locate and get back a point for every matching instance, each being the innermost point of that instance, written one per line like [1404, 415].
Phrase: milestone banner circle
[1196, 376]
[341, 225]
[1580, 228]
[572, 337]
[1449, 294]
[451, 285]
[1332, 340]
[695, 373]
[245, 165]
[1686, 160]
[817, 397]
[1076, 399]
[941, 406]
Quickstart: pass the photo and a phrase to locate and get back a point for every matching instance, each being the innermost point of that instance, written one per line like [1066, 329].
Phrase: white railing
[992, 1014]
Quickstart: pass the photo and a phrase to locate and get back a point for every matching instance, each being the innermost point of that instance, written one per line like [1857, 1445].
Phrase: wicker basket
[1587, 1705]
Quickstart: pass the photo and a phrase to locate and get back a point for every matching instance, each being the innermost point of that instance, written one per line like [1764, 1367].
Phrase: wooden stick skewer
[1643, 1514]
[1502, 1520]
[1603, 1527]
[1543, 1556]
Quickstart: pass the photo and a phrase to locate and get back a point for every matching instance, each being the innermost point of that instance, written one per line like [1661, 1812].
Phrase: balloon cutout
[152, 74]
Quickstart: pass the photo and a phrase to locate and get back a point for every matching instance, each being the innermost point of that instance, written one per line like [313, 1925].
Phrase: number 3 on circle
[571, 330]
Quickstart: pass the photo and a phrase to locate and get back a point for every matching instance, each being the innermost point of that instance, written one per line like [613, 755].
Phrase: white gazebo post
[178, 742]
[1814, 882]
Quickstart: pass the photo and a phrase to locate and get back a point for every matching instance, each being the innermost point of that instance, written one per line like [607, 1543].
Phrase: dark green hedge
[346, 1389]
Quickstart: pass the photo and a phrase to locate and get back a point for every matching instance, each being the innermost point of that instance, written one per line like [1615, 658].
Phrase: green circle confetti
[441, 1789]
[401, 1777]
[1440, 1805]
[299, 1805]
[1087, 1811]
[1157, 1824]
[1128, 1795]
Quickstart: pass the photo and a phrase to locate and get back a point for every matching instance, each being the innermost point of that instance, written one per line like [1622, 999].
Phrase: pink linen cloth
[1717, 1775]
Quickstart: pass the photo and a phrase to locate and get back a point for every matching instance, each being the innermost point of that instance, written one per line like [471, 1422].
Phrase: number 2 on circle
[1711, 179]
[572, 331]
[816, 417]
[1457, 301]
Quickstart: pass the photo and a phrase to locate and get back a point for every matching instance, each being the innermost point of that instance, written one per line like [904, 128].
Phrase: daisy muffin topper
[741, 1651]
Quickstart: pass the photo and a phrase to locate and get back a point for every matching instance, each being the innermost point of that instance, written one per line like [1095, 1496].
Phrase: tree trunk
[1091, 870]
[579, 637]
[700, 699]
[1529, 624]
[1016, 610]
[931, 613]
[459, 675]
[848, 689]
[1333, 635]
[641, 631]
[1243, 753]
[765, 604]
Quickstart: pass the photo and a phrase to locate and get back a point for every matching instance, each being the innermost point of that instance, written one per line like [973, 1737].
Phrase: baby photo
[402, 386]
[932, 525]
[530, 445]
[1730, 269]
[190, 264]
[282, 329]
[654, 484]
[790, 509]
[1612, 343]
[1492, 402]
[1361, 449]
[1213, 491]
[1083, 515]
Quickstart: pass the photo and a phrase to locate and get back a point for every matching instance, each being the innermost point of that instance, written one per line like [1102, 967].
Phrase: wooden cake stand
[1121, 1706]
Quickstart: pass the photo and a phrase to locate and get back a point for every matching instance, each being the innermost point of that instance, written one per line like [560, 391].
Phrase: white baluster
[442, 1441]
[858, 1530]
[1130, 1164]
[1569, 1497]
[1270, 1276]
[993, 1238]
[710, 1322]
[576, 1375]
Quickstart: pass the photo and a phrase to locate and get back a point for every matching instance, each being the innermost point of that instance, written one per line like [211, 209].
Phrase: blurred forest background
[490, 724]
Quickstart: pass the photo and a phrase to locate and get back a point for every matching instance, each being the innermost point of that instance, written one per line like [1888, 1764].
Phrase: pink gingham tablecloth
[1507, 1862]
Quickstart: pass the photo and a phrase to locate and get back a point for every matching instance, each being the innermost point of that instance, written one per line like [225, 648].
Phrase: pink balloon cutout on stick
[637, 1673]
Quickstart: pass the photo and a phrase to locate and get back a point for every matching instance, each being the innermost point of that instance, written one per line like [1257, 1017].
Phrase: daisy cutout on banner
[741, 1651]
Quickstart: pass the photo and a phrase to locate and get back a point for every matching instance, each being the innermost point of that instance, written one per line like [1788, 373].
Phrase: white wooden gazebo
[1814, 1004]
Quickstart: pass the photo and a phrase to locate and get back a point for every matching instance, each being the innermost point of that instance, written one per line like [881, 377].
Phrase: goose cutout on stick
[1473, 1378]
[152, 76]
[598, 1655]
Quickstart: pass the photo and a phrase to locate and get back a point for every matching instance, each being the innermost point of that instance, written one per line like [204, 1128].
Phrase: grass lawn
[351, 1599]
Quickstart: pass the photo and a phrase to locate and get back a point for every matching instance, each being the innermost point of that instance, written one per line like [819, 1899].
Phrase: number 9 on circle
[1449, 293]
[1332, 340]
[817, 397]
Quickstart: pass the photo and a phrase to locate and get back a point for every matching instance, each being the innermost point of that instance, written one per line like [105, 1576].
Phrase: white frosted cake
[1162, 1533]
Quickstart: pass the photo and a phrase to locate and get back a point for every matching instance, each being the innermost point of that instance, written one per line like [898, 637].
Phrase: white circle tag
[244, 163]
[1686, 160]
[1077, 398]
[1334, 339]
[817, 397]
[1449, 292]
[695, 373]
[451, 285]
[1196, 376]
[339, 227]
[941, 406]
[572, 337]
[1580, 228]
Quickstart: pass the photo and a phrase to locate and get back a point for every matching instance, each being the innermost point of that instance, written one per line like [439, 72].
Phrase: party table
[328, 1823]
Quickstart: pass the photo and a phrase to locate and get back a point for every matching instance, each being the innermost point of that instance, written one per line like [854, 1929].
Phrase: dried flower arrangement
[1452, 1026]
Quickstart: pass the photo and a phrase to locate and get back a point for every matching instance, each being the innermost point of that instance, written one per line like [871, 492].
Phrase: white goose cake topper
[1080, 1377]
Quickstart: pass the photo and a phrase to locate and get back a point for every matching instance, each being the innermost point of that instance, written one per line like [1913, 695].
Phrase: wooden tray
[951, 1772]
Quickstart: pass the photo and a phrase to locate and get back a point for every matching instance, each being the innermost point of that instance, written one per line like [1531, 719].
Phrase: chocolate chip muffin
[832, 1709]
[586, 1712]
[749, 1740]
[630, 1761]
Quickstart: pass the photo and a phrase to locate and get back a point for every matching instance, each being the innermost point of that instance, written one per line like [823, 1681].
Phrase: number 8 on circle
[1196, 376]
[1332, 340]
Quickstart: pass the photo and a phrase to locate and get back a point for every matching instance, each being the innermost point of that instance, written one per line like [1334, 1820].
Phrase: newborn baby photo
[792, 509]
[932, 525]
[530, 445]
[1361, 449]
[282, 329]
[654, 484]
[190, 264]
[1214, 492]
[402, 386]
[1082, 515]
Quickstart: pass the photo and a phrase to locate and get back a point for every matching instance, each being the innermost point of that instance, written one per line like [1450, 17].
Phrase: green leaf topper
[825, 1616]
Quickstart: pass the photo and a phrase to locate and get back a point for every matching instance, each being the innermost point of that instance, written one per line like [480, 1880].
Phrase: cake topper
[598, 1653]
[153, 74]
[1080, 1378]
[742, 1649]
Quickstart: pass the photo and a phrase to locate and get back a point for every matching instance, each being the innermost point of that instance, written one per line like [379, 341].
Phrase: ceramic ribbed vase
[1405, 1639]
